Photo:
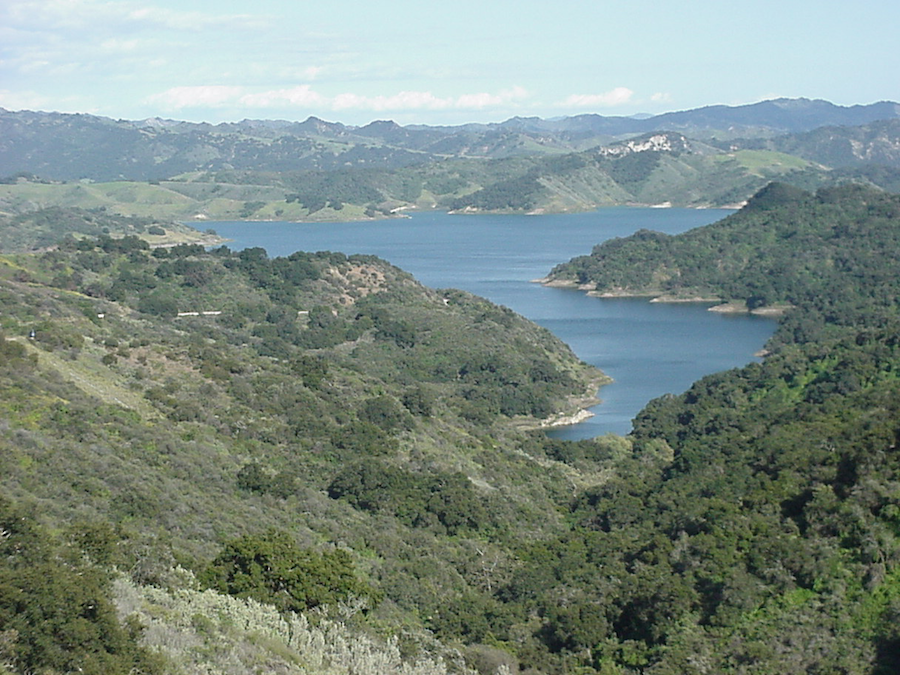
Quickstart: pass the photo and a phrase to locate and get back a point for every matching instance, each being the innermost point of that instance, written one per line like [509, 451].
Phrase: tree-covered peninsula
[785, 247]
[765, 537]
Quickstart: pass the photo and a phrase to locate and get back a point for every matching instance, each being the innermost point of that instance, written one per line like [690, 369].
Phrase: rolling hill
[317, 170]
[317, 464]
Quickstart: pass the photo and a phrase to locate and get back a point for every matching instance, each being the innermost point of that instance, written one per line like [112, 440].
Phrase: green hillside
[756, 256]
[572, 182]
[45, 227]
[314, 464]
[67, 147]
[876, 143]
[659, 168]
[327, 171]
[769, 536]
[178, 400]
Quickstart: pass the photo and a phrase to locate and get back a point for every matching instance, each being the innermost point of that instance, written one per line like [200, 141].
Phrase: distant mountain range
[60, 146]
[871, 143]
[774, 116]
[318, 170]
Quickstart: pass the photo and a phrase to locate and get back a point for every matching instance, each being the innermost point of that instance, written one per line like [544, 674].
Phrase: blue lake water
[648, 349]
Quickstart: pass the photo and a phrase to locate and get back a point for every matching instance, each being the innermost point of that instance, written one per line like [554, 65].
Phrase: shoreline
[405, 211]
[566, 420]
[719, 305]
[578, 411]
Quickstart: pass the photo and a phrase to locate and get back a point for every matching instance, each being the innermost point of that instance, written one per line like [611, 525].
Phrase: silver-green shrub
[206, 633]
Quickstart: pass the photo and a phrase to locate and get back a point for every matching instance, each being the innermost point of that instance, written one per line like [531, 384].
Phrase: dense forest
[767, 542]
[329, 468]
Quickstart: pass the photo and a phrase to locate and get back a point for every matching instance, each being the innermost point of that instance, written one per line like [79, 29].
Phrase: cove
[649, 349]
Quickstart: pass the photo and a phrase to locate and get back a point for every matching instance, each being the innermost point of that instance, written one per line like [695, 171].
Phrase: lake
[649, 349]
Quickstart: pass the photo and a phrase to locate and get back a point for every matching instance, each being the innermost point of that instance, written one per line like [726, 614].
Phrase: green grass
[765, 162]
[138, 199]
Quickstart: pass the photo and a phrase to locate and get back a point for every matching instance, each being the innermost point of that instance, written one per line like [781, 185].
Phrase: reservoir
[649, 349]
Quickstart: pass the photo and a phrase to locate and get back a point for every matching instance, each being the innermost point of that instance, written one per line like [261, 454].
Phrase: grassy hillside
[161, 201]
[45, 227]
[876, 143]
[656, 169]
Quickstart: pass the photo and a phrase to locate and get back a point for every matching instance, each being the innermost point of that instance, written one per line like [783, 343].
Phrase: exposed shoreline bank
[578, 411]
[718, 304]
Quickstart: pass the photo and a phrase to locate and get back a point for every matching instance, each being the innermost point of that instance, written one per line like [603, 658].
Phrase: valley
[343, 471]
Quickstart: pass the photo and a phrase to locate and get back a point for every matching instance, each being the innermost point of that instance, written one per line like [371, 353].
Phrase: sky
[440, 63]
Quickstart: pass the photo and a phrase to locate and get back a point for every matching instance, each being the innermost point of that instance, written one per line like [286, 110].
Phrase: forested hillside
[786, 246]
[314, 464]
[178, 413]
[767, 540]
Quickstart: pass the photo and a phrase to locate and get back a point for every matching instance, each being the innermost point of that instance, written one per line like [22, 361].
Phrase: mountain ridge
[319, 170]
[48, 143]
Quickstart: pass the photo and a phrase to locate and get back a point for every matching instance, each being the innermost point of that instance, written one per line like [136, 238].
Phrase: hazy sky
[438, 63]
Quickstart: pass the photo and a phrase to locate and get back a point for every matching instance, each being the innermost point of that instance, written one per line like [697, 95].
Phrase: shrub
[158, 304]
[271, 568]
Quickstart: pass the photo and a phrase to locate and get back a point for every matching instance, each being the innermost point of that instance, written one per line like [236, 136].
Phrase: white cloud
[110, 16]
[46, 16]
[302, 96]
[65, 70]
[661, 97]
[168, 18]
[609, 99]
[31, 100]
[119, 45]
[23, 100]
[425, 100]
[31, 65]
[47, 37]
[211, 96]
[404, 100]
[479, 101]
